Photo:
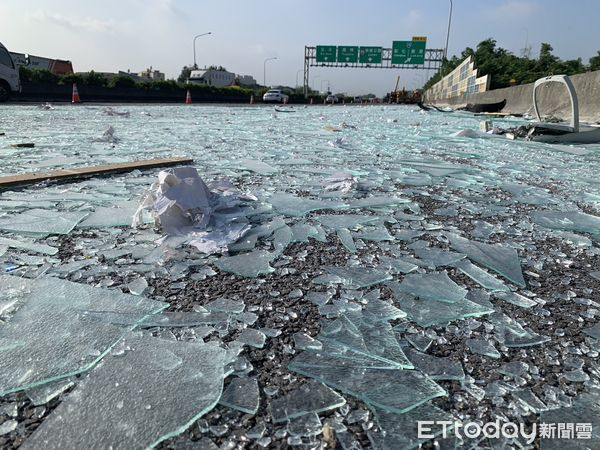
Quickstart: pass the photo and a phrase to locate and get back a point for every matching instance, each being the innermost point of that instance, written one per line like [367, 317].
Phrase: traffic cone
[75, 97]
[188, 98]
[252, 99]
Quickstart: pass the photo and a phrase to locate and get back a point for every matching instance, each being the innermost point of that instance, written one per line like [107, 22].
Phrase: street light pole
[196, 37]
[297, 72]
[265, 70]
[448, 34]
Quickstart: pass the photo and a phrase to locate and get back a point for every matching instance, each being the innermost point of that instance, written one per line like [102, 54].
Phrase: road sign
[408, 52]
[369, 55]
[419, 38]
[347, 54]
[326, 53]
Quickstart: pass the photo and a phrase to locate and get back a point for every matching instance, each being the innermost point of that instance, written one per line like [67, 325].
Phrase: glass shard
[242, 394]
[349, 221]
[248, 265]
[435, 257]
[311, 397]
[515, 299]
[396, 391]
[281, 239]
[303, 341]
[301, 232]
[164, 319]
[377, 201]
[585, 410]
[42, 222]
[252, 337]
[373, 340]
[437, 368]
[137, 286]
[377, 310]
[427, 313]
[501, 259]
[151, 390]
[225, 305]
[375, 234]
[480, 276]
[290, 205]
[256, 166]
[567, 220]
[514, 369]
[358, 277]
[29, 246]
[47, 338]
[346, 239]
[400, 431]
[593, 331]
[396, 265]
[482, 347]
[319, 298]
[121, 215]
[419, 341]
[432, 286]
[305, 426]
[43, 394]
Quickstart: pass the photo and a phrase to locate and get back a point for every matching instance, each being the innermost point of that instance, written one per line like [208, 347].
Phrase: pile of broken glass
[441, 243]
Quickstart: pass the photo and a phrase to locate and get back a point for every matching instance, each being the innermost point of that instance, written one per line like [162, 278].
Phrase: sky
[112, 35]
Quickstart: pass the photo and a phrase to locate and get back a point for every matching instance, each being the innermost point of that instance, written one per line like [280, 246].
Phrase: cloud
[513, 9]
[76, 23]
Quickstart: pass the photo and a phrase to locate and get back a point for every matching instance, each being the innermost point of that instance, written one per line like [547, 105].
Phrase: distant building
[246, 80]
[151, 75]
[212, 77]
[56, 66]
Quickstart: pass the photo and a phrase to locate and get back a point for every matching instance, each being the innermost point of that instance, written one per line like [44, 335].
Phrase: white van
[9, 75]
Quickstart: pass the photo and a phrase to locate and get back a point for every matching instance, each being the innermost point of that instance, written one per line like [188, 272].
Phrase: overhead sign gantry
[412, 54]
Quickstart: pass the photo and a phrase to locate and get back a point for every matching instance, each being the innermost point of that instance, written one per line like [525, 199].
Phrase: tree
[595, 62]
[95, 79]
[185, 74]
[546, 62]
[122, 81]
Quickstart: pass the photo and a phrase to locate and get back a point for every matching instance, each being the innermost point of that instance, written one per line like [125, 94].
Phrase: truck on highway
[9, 75]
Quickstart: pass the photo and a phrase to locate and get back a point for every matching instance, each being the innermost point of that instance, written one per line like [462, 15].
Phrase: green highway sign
[408, 52]
[369, 55]
[326, 53]
[347, 54]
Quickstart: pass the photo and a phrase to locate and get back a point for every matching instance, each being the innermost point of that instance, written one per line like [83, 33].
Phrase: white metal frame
[564, 79]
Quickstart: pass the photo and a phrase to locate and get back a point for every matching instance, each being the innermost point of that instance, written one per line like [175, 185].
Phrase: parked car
[9, 74]
[331, 99]
[275, 95]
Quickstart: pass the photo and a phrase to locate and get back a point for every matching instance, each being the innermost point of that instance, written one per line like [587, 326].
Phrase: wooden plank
[67, 174]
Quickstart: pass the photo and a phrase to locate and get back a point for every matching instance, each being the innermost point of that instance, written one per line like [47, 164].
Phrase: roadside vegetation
[94, 79]
[507, 69]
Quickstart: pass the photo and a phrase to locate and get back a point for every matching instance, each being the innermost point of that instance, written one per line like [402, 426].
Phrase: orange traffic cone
[75, 97]
[252, 99]
[188, 98]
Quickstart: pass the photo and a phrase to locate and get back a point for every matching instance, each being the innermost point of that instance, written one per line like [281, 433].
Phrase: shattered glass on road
[326, 277]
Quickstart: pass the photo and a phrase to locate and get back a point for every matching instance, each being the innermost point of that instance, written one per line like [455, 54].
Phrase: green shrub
[122, 81]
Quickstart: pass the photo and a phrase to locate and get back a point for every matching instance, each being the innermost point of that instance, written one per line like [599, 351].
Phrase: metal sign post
[402, 55]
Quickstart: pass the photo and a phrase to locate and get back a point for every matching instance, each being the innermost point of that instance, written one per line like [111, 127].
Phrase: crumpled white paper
[341, 181]
[208, 217]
